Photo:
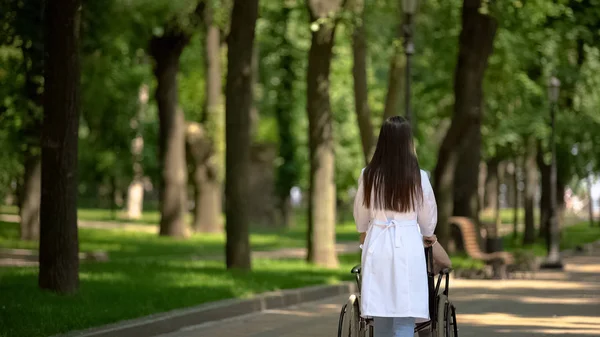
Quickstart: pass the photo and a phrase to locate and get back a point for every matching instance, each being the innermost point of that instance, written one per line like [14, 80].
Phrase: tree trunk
[561, 206]
[29, 208]
[359, 72]
[516, 201]
[475, 46]
[166, 51]
[483, 172]
[466, 175]
[254, 115]
[200, 153]
[590, 199]
[531, 183]
[135, 192]
[545, 193]
[491, 184]
[396, 76]
[208, 193]
[59, 242]
[209, 196]
[287, 172]
[322, 202]
[494, 230]
[238, 127]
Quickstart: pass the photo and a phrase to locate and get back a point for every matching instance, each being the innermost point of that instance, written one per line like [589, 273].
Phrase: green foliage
[535, 39]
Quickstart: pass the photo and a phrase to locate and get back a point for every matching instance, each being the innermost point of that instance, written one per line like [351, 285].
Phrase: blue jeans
[394, 326]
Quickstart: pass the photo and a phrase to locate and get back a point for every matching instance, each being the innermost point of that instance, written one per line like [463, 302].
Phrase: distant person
[396, 214]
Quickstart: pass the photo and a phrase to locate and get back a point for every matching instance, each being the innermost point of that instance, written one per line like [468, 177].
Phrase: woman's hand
[362, 237]
[429, 241]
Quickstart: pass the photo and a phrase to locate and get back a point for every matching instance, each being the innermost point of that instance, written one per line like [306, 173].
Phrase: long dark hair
[393, 173]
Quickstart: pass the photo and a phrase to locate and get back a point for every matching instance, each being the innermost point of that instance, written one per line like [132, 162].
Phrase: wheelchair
[442, 312]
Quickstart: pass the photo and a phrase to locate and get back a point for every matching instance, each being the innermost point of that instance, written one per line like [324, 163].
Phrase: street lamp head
[553, 89]
[409, 7]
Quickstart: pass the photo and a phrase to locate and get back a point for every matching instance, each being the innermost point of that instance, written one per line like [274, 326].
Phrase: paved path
[556, 303]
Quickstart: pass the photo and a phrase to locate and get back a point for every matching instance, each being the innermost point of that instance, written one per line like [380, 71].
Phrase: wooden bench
[498, 260]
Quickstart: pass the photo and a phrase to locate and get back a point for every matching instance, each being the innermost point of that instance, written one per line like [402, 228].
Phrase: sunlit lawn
[99, 214]
[123, 289]
[130, 285]
[120, 243]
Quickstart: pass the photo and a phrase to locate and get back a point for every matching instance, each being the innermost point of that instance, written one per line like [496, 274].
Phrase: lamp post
[409, 7]
[553, 260]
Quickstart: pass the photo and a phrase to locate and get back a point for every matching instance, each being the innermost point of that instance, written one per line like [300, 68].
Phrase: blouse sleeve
[361, 213]
[427, 215]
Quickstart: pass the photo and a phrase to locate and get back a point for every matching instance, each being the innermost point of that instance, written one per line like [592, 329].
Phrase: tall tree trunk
[475, 47]
[531, 183]
[135, 192]
[483, 172]
[494, 230]
[590, 199]
[200, 151]
[396, 74]
[545, 193]
[254, 115]
[287, 172]
[322, 202]
[29, 208]
[466, 175]
[359, 72]
[491, 184]
[561, 206]
[59, 242]
[209, 196]
[238, 104]
[516, 199]
[166, 51]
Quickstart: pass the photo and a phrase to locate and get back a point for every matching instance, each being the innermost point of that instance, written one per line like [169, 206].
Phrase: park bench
[498, 260]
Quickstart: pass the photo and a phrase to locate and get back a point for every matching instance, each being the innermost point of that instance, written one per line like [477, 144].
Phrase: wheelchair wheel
[441, 319]
[451, 325]
[349, 323]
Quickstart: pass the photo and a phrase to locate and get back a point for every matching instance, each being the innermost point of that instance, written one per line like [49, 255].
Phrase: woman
[395, 213]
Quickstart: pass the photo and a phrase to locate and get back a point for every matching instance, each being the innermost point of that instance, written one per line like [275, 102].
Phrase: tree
[238, 103]
[322, 202]
[396, 72]
[59, 243]
[166, 51]
[475, 47]
[531, 183]
[208, 206]
[359, 72]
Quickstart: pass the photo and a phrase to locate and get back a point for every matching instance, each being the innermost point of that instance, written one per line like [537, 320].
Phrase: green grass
[571, 237]
[150, 217]
[130, 285]
[126, 244]
[119, 290]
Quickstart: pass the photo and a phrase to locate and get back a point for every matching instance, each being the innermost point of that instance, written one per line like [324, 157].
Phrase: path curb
[174, 320]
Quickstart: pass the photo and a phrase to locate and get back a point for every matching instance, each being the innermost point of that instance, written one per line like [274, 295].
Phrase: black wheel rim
[341, 321]
[447, 320]
[454, 325]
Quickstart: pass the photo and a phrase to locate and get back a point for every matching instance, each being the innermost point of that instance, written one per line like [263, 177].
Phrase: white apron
[394, 273]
